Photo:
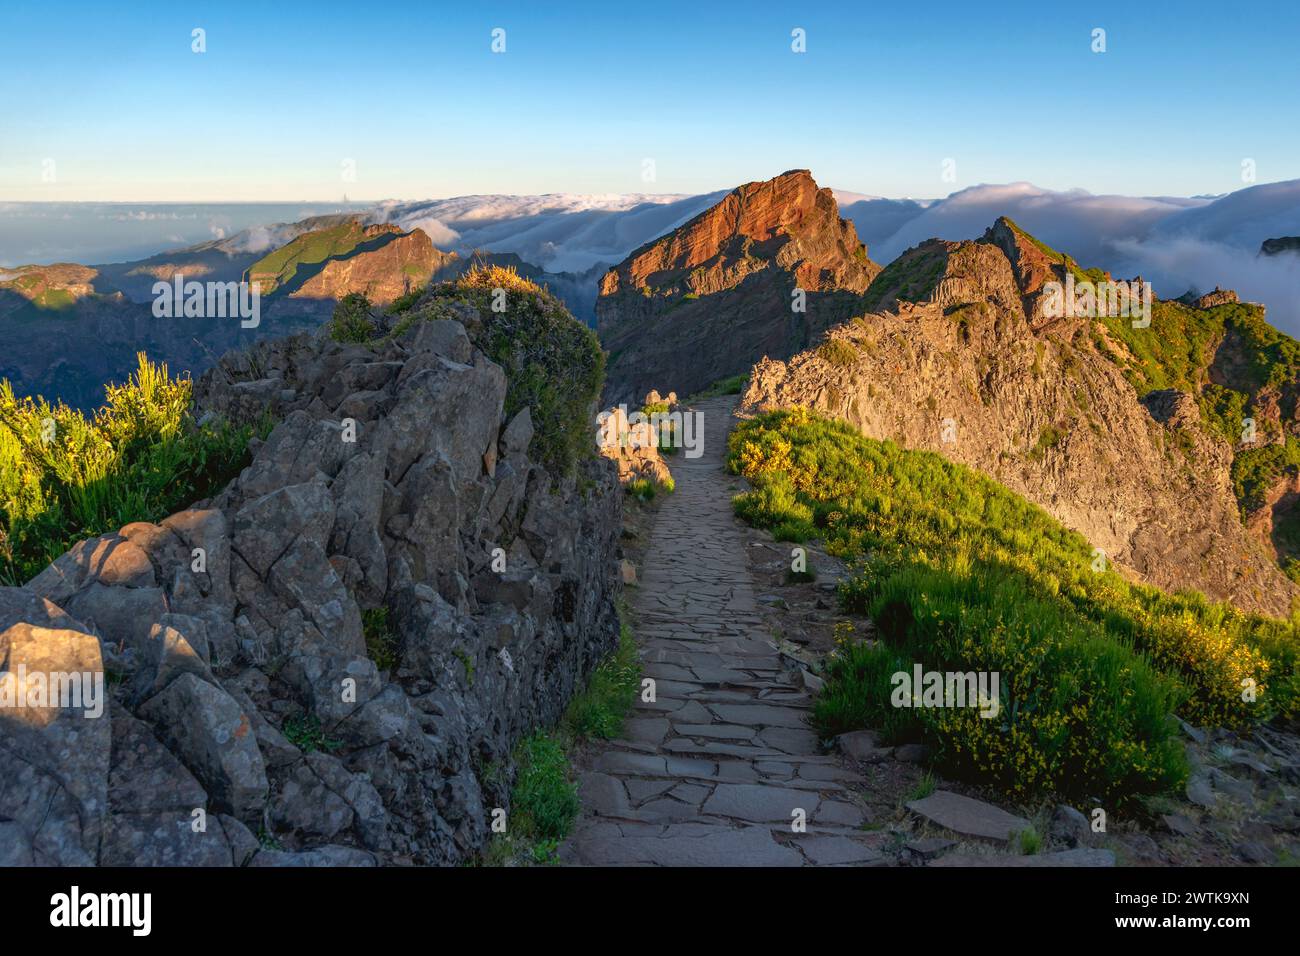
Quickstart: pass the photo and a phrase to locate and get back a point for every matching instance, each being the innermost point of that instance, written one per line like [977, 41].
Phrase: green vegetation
[645, 489]
[961, 574]
[1030, 841]
[544, 801]
[923, 788]
[838, 352]
[1255, 470]
[352, 321]
[553, 363]
[304, 731]
[381, 640]
[65, 476]
[912, 277]
[734, 385]
[1049, 437]
[1177, 352]
[600, 709]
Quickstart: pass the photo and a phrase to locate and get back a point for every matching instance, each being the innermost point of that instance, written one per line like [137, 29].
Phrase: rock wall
[326, 664]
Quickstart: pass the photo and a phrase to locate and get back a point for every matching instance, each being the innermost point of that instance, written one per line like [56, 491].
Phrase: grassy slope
[961, 573]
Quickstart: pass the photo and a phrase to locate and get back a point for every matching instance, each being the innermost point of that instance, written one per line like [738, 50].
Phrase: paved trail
[718, 768]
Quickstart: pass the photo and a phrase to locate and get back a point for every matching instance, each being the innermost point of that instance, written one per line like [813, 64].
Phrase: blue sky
[711, 92]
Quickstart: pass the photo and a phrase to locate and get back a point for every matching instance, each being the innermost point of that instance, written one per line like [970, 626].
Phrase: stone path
[720, 768]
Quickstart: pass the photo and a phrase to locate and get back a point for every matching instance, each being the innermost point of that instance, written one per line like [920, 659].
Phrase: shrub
[838, 352]
[65, 476]
[352, 321]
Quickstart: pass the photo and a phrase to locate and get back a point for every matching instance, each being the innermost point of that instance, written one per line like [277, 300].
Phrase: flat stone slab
[968, 816]
[762, 715]
[838, 851]
[1082, 856]
[747, 846]
[759, 803]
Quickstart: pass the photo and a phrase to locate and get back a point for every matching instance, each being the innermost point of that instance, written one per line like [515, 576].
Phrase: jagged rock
[165, 838]
[206, 728]
[145, 777]
[730, 275]
[54, 788]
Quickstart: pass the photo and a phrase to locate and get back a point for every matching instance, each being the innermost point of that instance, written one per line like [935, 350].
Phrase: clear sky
[413, 95]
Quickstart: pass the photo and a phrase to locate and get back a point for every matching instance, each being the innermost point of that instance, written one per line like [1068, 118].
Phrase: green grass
[600, 709]
[304, 731]
[1030, 841]
[959, 573]
[544, 801]
[923, 788]
[1255, 470]
[140, 457]
[381, 640]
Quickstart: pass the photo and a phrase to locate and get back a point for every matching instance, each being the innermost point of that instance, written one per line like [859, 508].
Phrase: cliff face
[964, 362]
[707, 300]
[325, 653]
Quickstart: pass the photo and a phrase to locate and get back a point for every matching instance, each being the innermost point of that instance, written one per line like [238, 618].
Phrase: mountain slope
[1113, 430]
[708, 299]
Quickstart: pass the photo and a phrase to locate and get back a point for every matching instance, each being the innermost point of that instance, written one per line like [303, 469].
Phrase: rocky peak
[954, 355]
[730, 274]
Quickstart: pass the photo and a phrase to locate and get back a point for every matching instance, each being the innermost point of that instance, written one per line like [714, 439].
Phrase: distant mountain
[1276, 247]
[723, 290]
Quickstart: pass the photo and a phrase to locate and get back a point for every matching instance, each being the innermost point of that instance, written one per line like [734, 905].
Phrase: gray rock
[145, 777]
[968, 816]
[164, 839]
[54, 788]
[1069, 826]
[204, 726]
[863, 745]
